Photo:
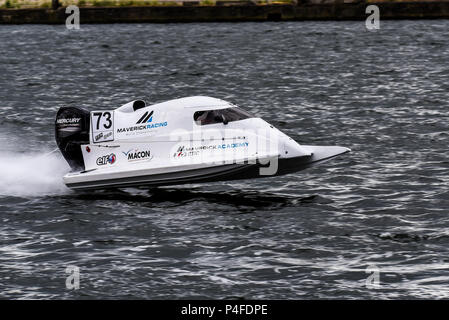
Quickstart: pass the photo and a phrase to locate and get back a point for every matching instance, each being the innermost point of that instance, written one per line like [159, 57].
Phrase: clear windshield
[220, 116]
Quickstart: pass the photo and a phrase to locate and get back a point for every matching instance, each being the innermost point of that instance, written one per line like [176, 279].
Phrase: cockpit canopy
[225, 115]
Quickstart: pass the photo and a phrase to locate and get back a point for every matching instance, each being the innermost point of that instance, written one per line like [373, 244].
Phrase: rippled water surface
[307, 235]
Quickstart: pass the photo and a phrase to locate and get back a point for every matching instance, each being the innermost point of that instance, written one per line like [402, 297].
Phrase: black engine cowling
[72, 127]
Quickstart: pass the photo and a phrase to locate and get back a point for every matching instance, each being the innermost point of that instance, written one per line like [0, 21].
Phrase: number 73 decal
[102, 124]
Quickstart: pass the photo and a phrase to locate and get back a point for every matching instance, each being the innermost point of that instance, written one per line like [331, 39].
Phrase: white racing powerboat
[187, 140]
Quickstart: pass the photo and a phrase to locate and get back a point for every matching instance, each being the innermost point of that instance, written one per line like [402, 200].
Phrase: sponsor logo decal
[87, 149]
[147, 117]
[142, 127]
[137, 155]
[99, 136]
[101, 161]
[107, 135]
[68, 121]
[144, 123]
[184, 151]
[103, 136]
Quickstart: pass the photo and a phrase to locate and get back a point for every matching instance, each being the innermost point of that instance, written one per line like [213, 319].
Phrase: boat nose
[341, 150]
[290, 149]
[325, 152]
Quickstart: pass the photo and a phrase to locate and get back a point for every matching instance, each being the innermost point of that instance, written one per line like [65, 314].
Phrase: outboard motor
[72, 127]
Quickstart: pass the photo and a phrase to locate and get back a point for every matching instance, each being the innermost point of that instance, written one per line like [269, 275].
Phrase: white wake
[27, 175]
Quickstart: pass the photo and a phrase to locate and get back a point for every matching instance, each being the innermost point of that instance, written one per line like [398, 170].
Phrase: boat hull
[176, 176]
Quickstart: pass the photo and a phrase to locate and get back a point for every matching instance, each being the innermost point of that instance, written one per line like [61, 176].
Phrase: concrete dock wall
[286, 12]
